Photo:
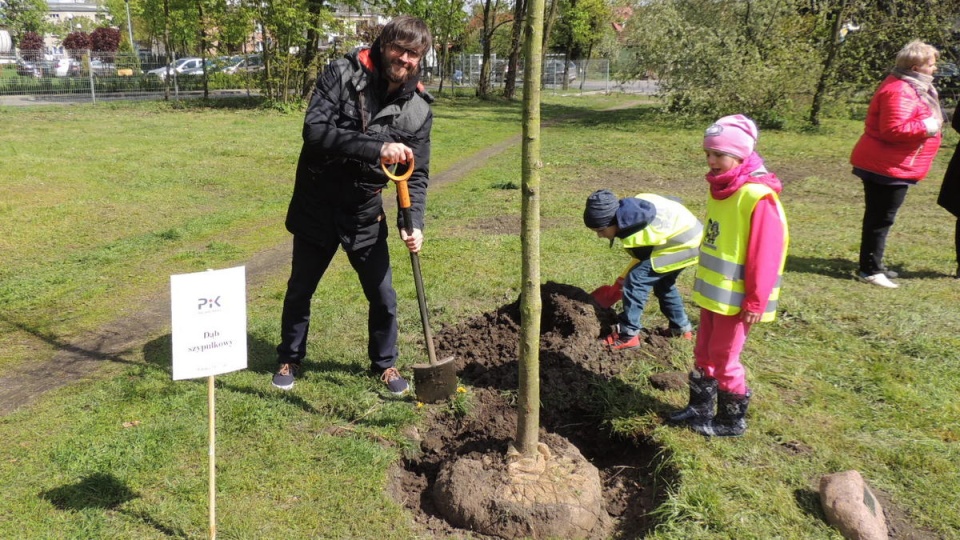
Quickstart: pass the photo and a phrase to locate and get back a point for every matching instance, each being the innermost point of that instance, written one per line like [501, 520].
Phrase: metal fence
[87, 75]
[557, 74]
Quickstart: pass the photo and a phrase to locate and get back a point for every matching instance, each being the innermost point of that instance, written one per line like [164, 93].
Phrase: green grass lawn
[102, 203]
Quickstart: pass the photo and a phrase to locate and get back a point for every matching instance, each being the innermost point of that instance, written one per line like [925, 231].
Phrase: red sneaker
[625, 342]
[613, 336]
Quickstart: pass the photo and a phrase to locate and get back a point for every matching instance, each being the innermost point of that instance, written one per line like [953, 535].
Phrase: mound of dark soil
[576, 373]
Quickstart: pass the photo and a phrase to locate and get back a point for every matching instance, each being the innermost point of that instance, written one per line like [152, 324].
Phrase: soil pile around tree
[578, 378]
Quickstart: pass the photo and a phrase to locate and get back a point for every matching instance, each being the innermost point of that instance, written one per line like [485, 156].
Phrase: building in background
[71, 16]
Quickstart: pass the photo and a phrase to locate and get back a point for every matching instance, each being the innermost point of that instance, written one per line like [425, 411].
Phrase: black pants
[956, 244]
[882, 203]
[372, 265]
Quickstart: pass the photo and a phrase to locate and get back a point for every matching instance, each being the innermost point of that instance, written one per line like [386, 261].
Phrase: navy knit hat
[601, 210]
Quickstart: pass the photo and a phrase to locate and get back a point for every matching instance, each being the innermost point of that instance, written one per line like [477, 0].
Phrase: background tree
[448, 22]
[21, 16]
[495, 15]
[31, 46]
[718, 57]
[104, 42]
[516, 41]
[777, 59]
[77, 41]
[581, 26]
[318, 19]
[884, 27]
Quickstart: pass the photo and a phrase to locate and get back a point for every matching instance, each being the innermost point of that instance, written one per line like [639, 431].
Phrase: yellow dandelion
[461, 390]
[419, 404]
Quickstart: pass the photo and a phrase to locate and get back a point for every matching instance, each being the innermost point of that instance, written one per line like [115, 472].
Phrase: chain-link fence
[83, 74]
[89, 76]
[558, 74]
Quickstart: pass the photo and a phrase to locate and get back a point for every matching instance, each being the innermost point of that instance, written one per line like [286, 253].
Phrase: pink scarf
[751, 170]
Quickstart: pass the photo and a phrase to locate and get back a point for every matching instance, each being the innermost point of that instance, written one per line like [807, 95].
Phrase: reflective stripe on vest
[719, 284]
[731, 297]
[674, 234]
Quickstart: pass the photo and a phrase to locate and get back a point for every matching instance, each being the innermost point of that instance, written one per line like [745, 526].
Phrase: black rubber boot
[730, 420]
[703, 399]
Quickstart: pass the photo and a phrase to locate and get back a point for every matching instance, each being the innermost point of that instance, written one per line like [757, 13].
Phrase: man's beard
[397, 72]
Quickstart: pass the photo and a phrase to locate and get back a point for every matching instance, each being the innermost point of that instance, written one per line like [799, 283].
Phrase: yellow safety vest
[719, 282]
[674, 234]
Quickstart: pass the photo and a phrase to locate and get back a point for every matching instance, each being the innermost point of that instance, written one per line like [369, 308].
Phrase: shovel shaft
[424, 317]
[403, 198]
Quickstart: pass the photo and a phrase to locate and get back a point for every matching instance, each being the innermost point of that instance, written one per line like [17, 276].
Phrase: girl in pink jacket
[740, 267]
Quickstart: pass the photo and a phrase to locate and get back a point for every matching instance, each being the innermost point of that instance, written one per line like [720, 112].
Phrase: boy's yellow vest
[719, 284]
[674, 234]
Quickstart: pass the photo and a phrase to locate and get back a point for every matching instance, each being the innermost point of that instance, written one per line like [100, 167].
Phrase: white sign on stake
[209, 322]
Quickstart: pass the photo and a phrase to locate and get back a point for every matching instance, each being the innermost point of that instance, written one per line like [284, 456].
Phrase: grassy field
[102, 203]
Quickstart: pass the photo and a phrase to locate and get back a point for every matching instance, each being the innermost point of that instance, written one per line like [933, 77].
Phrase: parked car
[30, 68]
[176, 68]
[100, 68]
[214, 65]
[65, 67]
[553, 72]
[248, 64]
[230, 64]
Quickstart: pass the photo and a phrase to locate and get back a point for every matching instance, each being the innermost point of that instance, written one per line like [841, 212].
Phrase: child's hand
[750, 317]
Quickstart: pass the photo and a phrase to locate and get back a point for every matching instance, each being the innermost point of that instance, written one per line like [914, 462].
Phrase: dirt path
[82, 358]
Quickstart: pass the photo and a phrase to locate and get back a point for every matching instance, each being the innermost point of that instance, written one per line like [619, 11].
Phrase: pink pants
[720, 340]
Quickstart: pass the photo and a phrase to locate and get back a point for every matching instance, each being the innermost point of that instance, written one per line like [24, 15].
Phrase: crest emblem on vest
[711, 232]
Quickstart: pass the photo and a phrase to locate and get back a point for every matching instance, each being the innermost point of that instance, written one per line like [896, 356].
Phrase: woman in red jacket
[901, 136]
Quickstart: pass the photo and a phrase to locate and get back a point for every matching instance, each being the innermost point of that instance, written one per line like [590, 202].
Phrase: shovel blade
[435, 382]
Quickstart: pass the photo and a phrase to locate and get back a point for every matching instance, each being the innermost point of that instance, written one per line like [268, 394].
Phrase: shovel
[435, 381]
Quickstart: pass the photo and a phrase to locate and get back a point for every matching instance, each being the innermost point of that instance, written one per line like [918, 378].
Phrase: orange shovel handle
[403, 194]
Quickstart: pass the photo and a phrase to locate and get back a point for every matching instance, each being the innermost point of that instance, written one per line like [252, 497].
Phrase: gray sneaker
[284, 377]
[397, 385]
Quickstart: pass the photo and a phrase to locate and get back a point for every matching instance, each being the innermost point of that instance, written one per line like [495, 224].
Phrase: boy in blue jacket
[662, 238]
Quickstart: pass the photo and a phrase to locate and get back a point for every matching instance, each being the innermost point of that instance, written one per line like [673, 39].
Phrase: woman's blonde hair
[916, 53]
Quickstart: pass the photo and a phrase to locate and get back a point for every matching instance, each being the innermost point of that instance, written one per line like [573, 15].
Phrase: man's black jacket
[337, 194]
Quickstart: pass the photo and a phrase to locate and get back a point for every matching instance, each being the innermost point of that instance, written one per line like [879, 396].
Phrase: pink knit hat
[734, 135]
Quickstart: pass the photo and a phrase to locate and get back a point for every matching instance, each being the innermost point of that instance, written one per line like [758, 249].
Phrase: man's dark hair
[408, 32]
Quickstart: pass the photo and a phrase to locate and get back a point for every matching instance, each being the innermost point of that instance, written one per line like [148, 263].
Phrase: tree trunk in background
[516, 42]
[548, 27]
[489, 25]
[203, 49]
[310, 50]
[827, 70]
[531, 306]
[166, 47]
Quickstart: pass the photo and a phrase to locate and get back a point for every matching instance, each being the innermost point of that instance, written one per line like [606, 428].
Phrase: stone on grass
[851, 507]
[554, 494]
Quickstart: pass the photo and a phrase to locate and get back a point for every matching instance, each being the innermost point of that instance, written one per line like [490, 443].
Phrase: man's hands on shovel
[392, 153]
[414, 241]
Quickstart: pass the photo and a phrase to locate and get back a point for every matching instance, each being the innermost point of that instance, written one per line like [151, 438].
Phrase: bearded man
[367, 108]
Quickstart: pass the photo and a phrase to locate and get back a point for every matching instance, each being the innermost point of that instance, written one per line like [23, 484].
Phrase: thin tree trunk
[516, 41]
[528, 414]
[827, 70]
[314, 7]
[166, 47]
[203, 49]
[489, 25]
[547, 29]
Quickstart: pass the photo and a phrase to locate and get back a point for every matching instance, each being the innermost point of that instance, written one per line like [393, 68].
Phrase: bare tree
[531, 306]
